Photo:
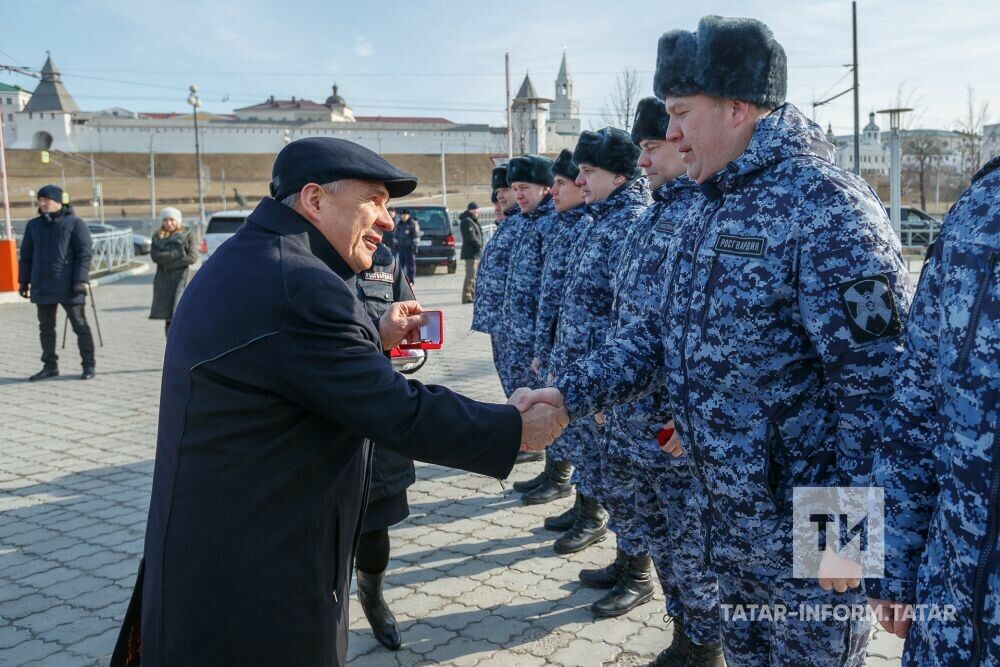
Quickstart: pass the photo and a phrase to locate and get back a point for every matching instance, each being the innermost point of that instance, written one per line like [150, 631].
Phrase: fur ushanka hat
[610, 149]
[732, 58]
[500, 177]
[530, 169]
[563, 166]
[651, 120]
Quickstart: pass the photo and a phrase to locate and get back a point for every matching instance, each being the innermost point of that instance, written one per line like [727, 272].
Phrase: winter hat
[651, 120]
[563, 166]
[610, 149]
[54, 193]
[473, 206]
[327, 159]
[499, 178]
[732, 58]
[530, 169]
[493, 197]
[171, 212]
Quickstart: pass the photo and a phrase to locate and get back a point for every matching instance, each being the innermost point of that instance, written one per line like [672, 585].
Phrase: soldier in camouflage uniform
[939, 461]
[780, 330]
[652, 491]
[487, 309]
[615, 195]
[567, 232]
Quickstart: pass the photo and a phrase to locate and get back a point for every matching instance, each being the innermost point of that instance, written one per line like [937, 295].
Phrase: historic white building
[49, 118]
[875, 147]
[990, 147]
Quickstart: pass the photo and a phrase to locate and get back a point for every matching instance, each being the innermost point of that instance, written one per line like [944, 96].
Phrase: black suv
[437, 237]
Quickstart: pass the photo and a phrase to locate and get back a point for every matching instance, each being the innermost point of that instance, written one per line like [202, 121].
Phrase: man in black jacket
[472, 248]
[54, 267]
[268, 407]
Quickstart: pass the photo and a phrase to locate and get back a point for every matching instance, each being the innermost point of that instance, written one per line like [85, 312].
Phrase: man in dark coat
[407, 237]
[54, 267]
[268, 407]
[472, 248]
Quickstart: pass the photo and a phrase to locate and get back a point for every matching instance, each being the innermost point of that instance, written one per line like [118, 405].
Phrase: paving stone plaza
[473, 579]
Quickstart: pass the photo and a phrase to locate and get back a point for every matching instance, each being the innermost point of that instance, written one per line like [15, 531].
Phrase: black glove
[23, 290]
[79, 288]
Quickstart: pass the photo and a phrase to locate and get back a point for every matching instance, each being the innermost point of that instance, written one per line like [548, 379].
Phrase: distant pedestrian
[124, 212]
[174, 253]
[389, 238]
[55, 266]
[472, 248]
[407, 235]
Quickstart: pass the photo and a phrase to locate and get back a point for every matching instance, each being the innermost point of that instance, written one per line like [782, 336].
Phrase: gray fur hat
[610, 149]
[499, 177]
[563, 166]
[732, 58]
[651, 120]
[530, 169]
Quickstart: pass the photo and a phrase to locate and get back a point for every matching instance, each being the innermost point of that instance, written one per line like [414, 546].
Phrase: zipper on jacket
[977, 310]
[986, 554]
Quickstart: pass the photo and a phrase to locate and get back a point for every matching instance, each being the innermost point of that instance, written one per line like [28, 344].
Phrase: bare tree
[921, 152]
[619, 107]
[970, 126]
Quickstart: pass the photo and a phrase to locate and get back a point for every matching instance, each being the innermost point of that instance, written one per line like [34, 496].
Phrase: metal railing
[919, 236]
[112, 251]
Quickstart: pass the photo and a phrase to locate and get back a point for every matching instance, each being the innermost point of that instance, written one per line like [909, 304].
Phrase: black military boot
[563, 522]
[633, 588]
[590, 527]
[683, 652]
[46, 372]
[528, 457]
[529, 484]
[555, 487]
[377, 611]
[605, 577]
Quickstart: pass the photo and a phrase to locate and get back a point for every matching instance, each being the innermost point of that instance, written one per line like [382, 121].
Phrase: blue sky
[435, 58]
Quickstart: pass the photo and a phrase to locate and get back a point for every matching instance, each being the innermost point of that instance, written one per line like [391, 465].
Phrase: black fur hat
[563, 166]
[530, 169]
[500, 177]
[610, 149]
[732, 58]
[651, 120]
[493, 197]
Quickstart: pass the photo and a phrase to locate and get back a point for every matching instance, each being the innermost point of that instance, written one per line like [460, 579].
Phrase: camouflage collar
[636, 190]
[671, 188]
[782, 134]
[545, 207]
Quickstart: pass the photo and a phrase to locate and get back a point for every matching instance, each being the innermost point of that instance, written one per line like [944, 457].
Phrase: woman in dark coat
[174, 253]
[392, 473]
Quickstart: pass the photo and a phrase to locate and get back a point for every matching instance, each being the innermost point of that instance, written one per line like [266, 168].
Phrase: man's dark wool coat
[274, 382]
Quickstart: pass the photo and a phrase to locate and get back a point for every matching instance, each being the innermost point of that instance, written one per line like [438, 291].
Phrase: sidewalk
[473, 579]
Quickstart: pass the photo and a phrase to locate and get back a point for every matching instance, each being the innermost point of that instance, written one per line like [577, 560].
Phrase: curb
[138, 269]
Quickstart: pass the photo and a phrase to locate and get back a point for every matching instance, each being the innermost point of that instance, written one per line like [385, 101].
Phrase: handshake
[543, 416]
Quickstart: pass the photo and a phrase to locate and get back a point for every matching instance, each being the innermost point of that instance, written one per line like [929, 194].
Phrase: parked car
[437, 237]
[221, 226]
[917, 227]
[141, 245]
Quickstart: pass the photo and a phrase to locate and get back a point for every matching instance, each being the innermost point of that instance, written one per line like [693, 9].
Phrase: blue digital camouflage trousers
[791, 622]
[580, 444]
[657, 509]
[500, 362]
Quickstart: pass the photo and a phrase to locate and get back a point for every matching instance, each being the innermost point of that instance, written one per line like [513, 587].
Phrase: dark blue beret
[325, 159]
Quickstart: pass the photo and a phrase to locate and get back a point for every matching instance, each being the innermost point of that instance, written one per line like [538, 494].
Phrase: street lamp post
[195, 102]
[894, 166]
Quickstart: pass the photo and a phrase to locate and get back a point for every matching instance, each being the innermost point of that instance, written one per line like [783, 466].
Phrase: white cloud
[363, 48]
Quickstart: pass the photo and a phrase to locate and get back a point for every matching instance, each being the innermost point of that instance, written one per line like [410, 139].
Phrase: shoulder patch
[870, 308]
[744, 246]
[664, 225]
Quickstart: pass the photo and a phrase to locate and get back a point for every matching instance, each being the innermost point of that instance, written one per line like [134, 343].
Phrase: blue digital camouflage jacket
[939, 461]
[521, 294]
[585, 312]
[569, 230]
[491, 278]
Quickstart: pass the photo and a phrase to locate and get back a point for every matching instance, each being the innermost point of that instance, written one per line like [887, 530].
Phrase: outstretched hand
[401, 323]
[543, 417]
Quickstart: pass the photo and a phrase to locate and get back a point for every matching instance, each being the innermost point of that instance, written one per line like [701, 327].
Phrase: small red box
[431, 334]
